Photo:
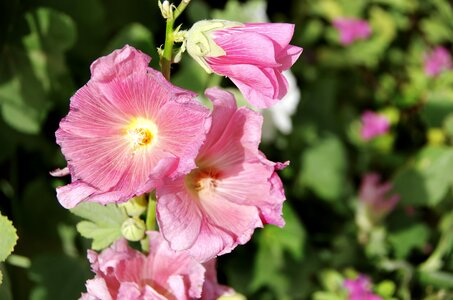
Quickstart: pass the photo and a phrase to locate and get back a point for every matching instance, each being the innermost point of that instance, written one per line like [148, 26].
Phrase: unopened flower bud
[200, 42]
[166, 9]
[135, 206]
[133, 229]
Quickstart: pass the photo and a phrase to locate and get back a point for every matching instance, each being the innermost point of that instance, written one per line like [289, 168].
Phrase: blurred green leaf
[58, 277]
[437, 107]
[104, 225]
[404, 240]
[273, 243]
[424, 182]
[138, 36]
[250, 11]
[325, 176]
[5, 284]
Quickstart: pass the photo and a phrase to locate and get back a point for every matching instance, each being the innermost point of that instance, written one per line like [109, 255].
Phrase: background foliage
[46, 47]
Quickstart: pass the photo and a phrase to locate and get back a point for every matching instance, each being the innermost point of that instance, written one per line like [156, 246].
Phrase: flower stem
[166, 58]
[151, 213]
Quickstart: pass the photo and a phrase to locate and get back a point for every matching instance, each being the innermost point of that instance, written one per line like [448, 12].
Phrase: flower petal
[178, 216]
[245, 48]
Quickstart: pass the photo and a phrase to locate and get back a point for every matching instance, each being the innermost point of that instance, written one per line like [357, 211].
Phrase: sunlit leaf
[103, 225]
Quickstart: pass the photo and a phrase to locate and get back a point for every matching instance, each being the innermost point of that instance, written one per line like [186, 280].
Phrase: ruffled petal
[178, 215]
[97, 288]
[119, 63]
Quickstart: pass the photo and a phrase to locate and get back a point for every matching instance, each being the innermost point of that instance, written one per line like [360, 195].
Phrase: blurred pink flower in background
[360, 289]
[373, 124]
[437, 61]
[252, 55]
[234, 189]
[125, 273]
[127, 128]
[374, 195]
[352, 29]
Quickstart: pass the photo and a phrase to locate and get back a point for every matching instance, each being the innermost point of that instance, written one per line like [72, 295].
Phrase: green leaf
[438, 106]
[104, 225]
[324, 167]
[8, 237]
[270, 259]
[403, 241]
[423, 182]
[58, 277]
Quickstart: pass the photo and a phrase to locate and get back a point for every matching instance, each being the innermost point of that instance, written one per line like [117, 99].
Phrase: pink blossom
[233, 190]
[373, 125]
[352, 29]
[360, 289]
[252, 55]
[126, 274]
[437, 61]
[376, 196]
[127, 128]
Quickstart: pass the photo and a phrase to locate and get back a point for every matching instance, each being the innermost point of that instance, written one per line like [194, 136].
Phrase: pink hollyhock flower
[127, 128]
[233, 190]
[126, 274]
[373, 125]
[352, 30]
[375, 196]
[252, 55]
[437, 61]
[360, 289]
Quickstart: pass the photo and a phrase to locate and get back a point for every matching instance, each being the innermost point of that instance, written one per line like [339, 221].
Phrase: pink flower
[253, 55]
[360, 289]
[352, 30]
[437, 61]
[126, 274]
[373, 125]
[127, 128]
[375, 196]
[233, 190]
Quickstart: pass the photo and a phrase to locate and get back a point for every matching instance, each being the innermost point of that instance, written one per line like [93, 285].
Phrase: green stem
[151, 213]
[169, 40]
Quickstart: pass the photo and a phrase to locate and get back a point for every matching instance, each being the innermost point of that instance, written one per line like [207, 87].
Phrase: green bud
[133, 229]
[135, 206]
[199, 41]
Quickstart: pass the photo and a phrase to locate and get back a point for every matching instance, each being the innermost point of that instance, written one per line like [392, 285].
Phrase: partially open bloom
[437, 61]
[376, 198]
[352, 30]
[126, 274]
[127, 128]
[373, 124]
[360, 289]
[233, 190]
[252, 55]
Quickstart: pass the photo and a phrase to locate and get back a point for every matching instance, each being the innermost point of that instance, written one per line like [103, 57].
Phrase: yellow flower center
[202, 181]
[141, 133]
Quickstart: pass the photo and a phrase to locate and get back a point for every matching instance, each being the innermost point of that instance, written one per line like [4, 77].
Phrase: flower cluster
[130, 132]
